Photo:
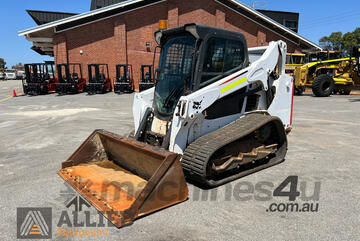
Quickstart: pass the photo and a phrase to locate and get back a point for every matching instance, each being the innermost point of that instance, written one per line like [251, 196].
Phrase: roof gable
[43, 17]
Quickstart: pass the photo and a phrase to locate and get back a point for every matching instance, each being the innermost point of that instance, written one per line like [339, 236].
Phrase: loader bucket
[125, 179]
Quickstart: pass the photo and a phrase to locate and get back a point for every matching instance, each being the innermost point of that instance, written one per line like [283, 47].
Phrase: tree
[356, 34]
[340, 42]
[2, 63]
[336, 40]
[325, 43]
[332, 42]
[349, 40]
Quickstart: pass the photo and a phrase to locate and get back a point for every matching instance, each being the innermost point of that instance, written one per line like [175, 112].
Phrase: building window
[291, 24]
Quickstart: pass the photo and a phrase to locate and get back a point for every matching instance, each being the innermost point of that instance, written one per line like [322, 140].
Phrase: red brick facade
[124, 38]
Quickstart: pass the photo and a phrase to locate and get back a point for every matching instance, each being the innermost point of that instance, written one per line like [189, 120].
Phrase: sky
[318, 18]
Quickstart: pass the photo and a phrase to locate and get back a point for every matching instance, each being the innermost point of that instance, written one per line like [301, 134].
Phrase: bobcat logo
[197, 105]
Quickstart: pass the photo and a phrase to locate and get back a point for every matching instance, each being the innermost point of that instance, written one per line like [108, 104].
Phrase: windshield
[173, 73]
[297, 59]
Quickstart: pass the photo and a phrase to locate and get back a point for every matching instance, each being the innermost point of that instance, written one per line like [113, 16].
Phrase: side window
[288, 59]
[234, 55]
[215, 54]
[222, 55]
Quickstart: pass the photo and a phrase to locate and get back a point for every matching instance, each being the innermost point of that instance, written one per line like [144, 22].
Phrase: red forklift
[146, 78]
[39, 78]
[70, 79]
[99, 81]
[124, 82]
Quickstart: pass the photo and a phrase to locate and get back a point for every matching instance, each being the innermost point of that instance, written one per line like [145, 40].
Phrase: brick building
[123, 32]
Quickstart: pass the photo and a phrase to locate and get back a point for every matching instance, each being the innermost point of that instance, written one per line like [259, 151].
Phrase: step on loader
[99, 81]
[39, 78]
[146, 78]
[124, 79]
[219, 111]
[70, 79]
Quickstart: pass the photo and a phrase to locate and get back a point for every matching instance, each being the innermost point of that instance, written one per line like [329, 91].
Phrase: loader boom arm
[189, 113]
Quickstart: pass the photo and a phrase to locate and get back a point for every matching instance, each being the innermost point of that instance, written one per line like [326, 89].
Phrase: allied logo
[34, 223]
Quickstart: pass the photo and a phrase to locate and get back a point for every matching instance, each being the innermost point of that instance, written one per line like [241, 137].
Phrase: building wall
[129, 37]
[280, 17]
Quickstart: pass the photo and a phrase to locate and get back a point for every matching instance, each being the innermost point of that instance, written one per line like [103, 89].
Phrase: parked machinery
[39, 78]
[99, 81]
[146, 78]
[124, 79]
[322, 56]
[293, 61]
[70, 79]
[338, 76]
[213, 115]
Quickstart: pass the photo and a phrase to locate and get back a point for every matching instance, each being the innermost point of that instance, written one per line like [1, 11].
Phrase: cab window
[222, 55]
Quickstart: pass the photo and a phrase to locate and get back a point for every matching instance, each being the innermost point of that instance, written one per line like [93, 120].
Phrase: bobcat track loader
[219, 111]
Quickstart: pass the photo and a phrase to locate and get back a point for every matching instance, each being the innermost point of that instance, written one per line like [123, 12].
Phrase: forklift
[70, 82]
[99, 81]
[146, 78]
[39, 78]
[124, 79]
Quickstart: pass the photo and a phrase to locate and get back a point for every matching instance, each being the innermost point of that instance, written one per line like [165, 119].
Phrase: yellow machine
[293, 61]
[338, 76]
[322, 56]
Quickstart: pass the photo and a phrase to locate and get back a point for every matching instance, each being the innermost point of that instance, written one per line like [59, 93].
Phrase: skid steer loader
[219, 111]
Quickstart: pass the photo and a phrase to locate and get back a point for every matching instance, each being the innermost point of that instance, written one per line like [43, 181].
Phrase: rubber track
[197, 154]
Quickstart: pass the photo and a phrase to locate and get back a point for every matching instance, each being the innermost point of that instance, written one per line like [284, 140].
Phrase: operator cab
[192, 57]
[295, 58]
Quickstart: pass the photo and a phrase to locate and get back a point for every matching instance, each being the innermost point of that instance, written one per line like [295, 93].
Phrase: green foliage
[341, 42]
[356, 34]
[2, 63]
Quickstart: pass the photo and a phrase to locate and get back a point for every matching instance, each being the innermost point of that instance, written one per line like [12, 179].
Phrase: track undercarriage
[250, 144]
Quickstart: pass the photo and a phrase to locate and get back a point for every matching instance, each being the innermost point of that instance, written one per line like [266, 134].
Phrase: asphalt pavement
[38, 133]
